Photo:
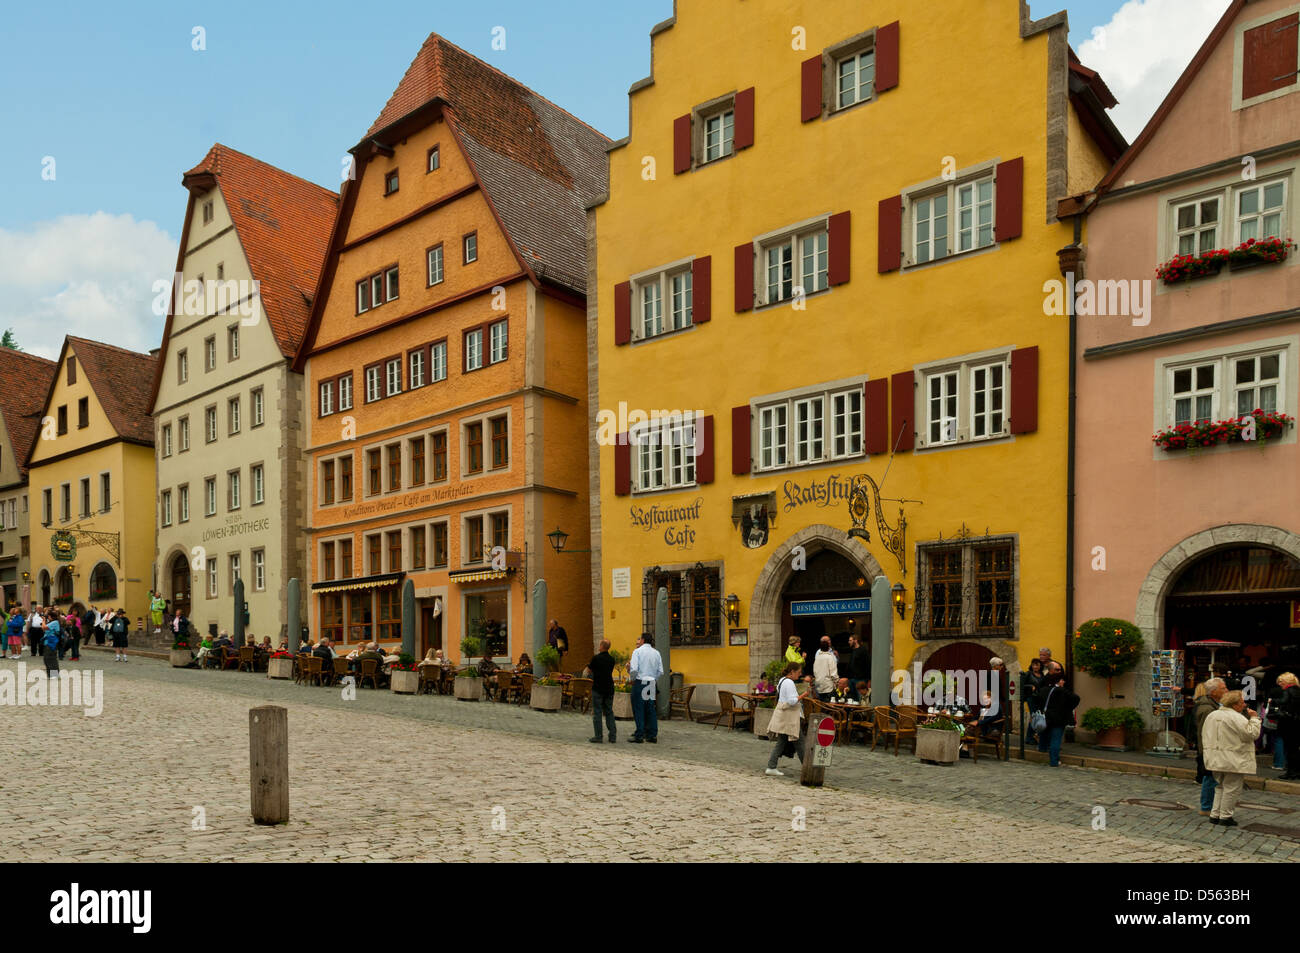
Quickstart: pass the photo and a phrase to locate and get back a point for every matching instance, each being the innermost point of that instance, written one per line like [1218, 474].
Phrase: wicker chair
[525, 689]
[430, 675]
[971, 738]
[861, 719]
[729, 710]
[229, 658]
[369, 668]
[339, 670]
[247, 659]
[580, 694]
[893, 724]
[311, 670]
[680, 701]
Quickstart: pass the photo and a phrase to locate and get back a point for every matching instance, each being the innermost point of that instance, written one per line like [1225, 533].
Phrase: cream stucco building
[227, 408]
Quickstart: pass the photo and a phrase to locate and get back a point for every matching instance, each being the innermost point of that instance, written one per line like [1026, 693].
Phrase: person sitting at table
[370, 650]
[429, 659]
[525, 665]
[205, 649]
[389, 656]
[864, 692]
[486, 667]
[992, 717]
[325, 653]
[841, 693]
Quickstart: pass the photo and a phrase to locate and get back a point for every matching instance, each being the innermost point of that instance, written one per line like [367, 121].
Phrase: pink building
[1195, 543]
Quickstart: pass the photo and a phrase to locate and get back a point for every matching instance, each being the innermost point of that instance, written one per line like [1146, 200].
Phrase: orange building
[446, 366]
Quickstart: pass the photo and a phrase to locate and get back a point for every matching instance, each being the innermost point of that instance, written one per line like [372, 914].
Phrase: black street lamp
[559, 538]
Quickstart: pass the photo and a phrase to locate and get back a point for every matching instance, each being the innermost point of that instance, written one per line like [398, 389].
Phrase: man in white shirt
[645, 668]
[35, 629]
[826, 669]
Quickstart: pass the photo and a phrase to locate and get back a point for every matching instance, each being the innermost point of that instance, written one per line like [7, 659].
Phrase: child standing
[51, 643]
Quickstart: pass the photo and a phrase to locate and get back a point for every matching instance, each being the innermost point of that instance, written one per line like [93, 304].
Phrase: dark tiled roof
[284, 226]
[123, 382]
[24, 383]
[540, 166]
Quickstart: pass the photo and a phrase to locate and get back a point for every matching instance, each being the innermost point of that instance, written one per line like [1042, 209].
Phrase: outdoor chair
[680, 701]
[229, 658]
[525, 689]
[730, 711]
[212, 659]
[580, 694]
[311, 670]
[247, 658]
[841, 719]
[299, 666]
[369, 668]
[340, 671]
[893, 724]
[861, 719]
[972, 737]
[429, 677]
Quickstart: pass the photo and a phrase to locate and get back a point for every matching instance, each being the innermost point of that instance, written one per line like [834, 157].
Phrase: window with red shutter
[702, 290]
[1269, 57]
[622, 466]
[837, 272]
[740, 440]
[623, 312]
[875, 416]
[902, 426]
[744, 277]
[1010, 189]
[889, 250]
[887, 57]
[682, 144]
[1024, 390]
[744, 121]
[810, 89]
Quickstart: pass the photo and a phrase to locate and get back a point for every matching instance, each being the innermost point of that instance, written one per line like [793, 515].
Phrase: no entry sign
[826, 732]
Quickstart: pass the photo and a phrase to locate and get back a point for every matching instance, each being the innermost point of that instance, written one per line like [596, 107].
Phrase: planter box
[405, 683]
[1112, 739]
[622, 706]
[181, 657]
[469, 689]
[762, 716]
[937, 745]
[279, 668]
[546, 697]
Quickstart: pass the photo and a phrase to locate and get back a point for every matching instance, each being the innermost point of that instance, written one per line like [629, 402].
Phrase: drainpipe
[1070, 259]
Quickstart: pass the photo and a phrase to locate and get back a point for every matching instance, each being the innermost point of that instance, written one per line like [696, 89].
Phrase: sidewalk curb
[1160, 771]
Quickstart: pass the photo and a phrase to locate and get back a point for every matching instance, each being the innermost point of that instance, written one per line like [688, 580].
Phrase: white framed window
[182, 366]
[438, 362]
[232, 341]
[258, 400]
[1230, 215]
[232, 490]
[470, 247]
[393, 373]
[167, 440]
[210, 420]
[809, 429]
[435, 160]
[326, 398]
[184, 425]
[183, 503]
[234, 570]
[773, 434]
[345, 392]
[210, 354]
[415, 370]
[795, 260]
[665, 454]
[257, 474]
[166, 507]
[948, 218]
[259, 570]
[474, 349]
[812, 425]
[1257, 382]
[210, 496]
[1197, 225]
[390, 280]
[652, 309]
[855, 78]
[435, 265]
[363, 296]
[373, 391]
[499, 340]
[719, 135]
[846, 424]
[1261, 211]
[212, 578]
[1194, 392]
[664, 300]
[964, 400]
[975, 214]
[232, 415]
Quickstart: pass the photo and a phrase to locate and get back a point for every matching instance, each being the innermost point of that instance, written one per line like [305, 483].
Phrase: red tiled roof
[122, 381]
[539, 165]
[24, 382]
[284, 226]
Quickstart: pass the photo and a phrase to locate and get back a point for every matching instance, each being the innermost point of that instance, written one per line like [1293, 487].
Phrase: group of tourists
[644, 670]
[55, 635]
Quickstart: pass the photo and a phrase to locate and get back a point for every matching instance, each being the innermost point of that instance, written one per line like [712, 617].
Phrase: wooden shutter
[837, 251]
[889, 251]
[1269, 57]
[744, 276]
[875, 416]
[622, 466]
[902, 428]
[740, 440]
[743, 131]
[887, 57]
[702, 290]
[810, 85]
[682, 144]
[1010, 188]
[623, 312]
[1024, 390]
[704, 459]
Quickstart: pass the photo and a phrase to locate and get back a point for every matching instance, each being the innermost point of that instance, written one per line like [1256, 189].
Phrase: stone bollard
[268, 763]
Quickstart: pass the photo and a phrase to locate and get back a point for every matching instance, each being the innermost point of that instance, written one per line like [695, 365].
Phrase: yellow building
[825, 245]
[91, 481]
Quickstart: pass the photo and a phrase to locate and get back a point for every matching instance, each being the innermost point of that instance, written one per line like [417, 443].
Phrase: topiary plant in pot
[547, 660]
[1106, 648]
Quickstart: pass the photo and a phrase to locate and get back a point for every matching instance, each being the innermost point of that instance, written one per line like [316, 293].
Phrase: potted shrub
[547, 693]
[939, 742]
[623, 701]
[404, 677]
[1105, 648]
[180, 654]
[469, 684]
[763, 714]
[280, 665]
[1111, 726]
[546, 660]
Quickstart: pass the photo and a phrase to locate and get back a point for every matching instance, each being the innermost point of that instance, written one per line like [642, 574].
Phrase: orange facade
[448, 412]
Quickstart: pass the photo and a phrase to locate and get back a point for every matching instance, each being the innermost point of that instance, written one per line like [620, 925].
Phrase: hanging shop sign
[63, 546]
[829, 607]
[676, 522]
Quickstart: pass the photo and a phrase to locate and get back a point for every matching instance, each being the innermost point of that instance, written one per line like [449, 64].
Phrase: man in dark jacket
[859, 663]
[601, 668]
[1058, 704]
[1214, 690]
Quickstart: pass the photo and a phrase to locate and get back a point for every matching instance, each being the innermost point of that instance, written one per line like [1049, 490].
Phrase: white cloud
[87, 275]
[1143, 50]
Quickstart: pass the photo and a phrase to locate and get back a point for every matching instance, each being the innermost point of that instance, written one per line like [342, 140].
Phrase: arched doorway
[180, 584]
[43, 586]
[103, 583]
[770, 617]
[63, 586]
[1246, 594]
[823, 600]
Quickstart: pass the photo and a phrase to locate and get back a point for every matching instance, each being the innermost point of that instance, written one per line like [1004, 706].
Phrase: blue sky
[118, 98]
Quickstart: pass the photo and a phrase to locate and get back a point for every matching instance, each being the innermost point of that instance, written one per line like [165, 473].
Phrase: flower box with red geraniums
[1184, 267]
[282, 654]
[1260, 252]
[1206, 433]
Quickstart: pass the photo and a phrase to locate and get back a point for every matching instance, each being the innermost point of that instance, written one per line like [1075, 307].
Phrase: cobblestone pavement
[125, 785]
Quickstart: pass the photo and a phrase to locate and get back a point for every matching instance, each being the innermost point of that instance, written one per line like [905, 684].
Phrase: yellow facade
[122, 520]
[976, 86]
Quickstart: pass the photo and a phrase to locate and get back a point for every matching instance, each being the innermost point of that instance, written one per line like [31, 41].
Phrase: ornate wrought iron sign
[63, 546]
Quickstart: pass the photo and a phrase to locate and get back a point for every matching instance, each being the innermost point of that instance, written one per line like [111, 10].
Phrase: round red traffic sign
[826, 732]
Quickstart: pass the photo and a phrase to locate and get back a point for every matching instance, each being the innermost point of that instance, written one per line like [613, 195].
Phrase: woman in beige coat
[1228, 739]
[785, 719]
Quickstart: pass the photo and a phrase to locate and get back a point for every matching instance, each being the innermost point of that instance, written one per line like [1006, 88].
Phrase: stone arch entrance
[176, 584]
[766, 602]
[1150, 610]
